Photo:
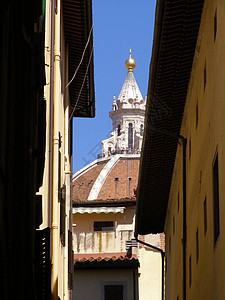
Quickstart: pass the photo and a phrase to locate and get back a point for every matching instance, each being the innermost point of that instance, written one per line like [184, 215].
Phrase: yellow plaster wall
[61, 262]
[204, 139]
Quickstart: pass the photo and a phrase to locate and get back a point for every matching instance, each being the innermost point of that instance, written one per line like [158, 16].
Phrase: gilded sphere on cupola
[130, 63]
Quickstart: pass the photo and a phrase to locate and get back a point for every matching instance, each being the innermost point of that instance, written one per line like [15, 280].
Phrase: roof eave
[77, 16]
[99, 203]
[159, 150]
[118, 264]
[153, 66]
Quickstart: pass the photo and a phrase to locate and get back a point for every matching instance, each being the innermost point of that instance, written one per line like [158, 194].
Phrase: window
[200, 181]
[197, 246]
[190, 149]
[104, 226]
[173, 224]
[205, 215]
[113, 292]
[130, 136]
[118, 130]
[129, 180]
[215, 25]
[216, 199]
[116, 179]
[190, 277]
[141, 129]
[204, 76]
[196, 112]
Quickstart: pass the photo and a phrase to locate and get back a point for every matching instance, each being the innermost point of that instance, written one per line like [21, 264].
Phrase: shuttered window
[62, 215]
[42, 264]
[70, 261]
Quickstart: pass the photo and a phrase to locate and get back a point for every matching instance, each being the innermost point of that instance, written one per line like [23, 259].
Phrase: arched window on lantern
[130, 136]
[118, 130]
[141, 129]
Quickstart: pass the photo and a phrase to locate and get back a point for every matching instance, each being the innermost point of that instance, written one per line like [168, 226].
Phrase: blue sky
[118, 26]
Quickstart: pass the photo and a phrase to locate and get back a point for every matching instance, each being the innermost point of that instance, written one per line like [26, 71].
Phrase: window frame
[103, 228]
[105, 283]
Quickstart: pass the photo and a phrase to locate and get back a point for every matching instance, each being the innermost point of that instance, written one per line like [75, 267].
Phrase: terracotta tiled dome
[114, 177]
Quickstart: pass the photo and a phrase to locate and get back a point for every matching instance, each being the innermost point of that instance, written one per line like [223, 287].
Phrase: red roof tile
[104, 260]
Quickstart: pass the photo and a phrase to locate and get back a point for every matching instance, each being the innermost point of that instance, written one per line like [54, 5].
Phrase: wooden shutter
[62, 214]
[70, 261]
[43, 264]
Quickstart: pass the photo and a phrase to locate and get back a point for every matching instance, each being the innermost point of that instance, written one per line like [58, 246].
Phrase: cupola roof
[130, 89]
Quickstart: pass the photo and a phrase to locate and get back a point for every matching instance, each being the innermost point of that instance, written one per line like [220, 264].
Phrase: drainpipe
[55, 204]
[51, 117]
[67, 173]
[162, 256]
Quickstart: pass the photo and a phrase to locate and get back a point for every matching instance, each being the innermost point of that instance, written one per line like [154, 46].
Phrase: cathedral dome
[130, 63]
[110, 178]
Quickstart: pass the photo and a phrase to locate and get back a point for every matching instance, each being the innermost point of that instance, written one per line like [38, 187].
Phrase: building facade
[69, 80]
[192, 202]
[42, 43]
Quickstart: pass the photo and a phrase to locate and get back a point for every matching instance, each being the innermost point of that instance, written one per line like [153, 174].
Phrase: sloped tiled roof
[105, 260]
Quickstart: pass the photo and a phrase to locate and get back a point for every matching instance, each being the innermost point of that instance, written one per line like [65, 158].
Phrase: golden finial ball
[130, 64]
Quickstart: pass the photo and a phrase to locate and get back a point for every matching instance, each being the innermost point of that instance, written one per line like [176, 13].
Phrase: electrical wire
[75, 73]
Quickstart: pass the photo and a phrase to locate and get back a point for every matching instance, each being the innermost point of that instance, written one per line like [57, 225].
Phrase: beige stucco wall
[205, 138]
[88, 284]
[150, 277]
[85, 240]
